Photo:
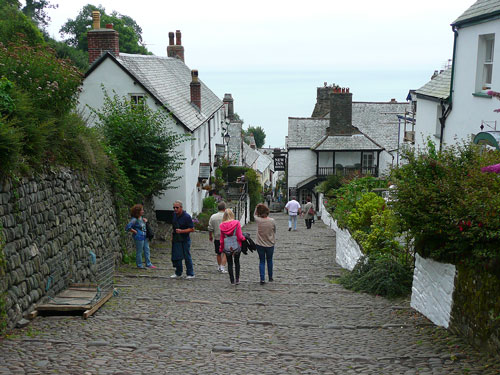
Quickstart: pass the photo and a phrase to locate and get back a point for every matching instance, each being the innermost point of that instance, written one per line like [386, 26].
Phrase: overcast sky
[231, 41]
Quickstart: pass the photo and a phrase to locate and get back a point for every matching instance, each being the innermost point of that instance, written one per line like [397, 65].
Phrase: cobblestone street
[302, 323]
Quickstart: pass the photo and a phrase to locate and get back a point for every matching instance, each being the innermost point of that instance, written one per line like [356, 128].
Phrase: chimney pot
[96, 19]
[171, 38]
[178, 38]
[109, 26]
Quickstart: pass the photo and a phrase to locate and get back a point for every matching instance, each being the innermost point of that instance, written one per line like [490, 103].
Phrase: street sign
[279, 162]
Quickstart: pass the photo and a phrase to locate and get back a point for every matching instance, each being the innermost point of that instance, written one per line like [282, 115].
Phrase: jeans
[236, 266]
[292, 220]
[265, 253]
[308, 223]
[140, 247]
[186, 246]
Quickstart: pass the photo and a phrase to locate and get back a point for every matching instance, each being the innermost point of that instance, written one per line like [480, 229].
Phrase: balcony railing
[348, 170]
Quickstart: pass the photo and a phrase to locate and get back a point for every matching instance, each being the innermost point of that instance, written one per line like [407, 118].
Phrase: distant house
[261, 163]
[166, 83]
[342, 138]
[466, 110]
[233, 132]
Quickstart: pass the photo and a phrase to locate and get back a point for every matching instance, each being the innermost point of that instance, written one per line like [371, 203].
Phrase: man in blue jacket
[182, 225]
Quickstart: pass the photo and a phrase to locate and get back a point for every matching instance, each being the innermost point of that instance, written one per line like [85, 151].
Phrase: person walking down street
[137, 226]
[266, 231]
[230, 243]
[293, 209]
[214, 235]
[268, 199]
[309, 212]
[182, 225]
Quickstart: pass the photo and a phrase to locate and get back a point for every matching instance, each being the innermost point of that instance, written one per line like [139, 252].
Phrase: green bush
[143, 144]
[380, 275]
[332, 183]
[254, 189]
[450, 207]
[343, 200]
[369, 205]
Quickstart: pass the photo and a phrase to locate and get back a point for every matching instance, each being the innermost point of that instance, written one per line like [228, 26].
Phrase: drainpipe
[446, 111]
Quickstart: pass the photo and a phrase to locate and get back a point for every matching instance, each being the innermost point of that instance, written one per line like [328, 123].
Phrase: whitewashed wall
[346, 248]
[432, 290]
[301, 166]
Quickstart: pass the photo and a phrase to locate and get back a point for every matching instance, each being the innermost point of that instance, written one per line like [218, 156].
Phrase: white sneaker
[174, 276]
[190, 277]
[222, 269]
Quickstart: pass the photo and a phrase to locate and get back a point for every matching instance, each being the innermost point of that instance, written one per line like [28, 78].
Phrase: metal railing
[237, 193]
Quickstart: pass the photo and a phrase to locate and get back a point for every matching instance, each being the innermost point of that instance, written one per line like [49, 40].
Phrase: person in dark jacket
[182, 225]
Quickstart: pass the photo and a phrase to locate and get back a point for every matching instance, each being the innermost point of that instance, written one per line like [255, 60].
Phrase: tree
[258, 134]
[130, 31]
[35, 10]
[142, 143]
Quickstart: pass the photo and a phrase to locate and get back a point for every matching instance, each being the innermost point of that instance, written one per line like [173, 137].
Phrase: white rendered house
[169, 84]
[475, 71]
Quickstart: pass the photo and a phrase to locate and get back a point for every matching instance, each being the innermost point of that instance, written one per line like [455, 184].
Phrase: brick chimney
[176, 50]
[229, 105]
[195, 86]
[341, 112]
[101, 40]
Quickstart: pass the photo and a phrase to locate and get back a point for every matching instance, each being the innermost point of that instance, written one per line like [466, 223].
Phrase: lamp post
[227, 137]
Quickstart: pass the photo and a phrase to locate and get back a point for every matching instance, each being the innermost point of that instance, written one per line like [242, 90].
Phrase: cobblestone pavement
[300, 324]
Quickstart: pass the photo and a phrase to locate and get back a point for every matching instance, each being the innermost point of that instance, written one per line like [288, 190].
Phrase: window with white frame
[486, 49]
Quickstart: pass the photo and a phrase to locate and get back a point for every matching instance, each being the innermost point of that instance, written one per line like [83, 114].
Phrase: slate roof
[439, 87]
[263, 162]
[345, 143]
[376, 120]
[168, 79]
[249, 155]
[305, 132]
[481, 9]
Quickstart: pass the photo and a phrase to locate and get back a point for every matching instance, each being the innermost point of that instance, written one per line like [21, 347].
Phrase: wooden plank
[32, 315]
[88, 285]
[84, 289]
[49, 307]
[96, 307]
[76, 294]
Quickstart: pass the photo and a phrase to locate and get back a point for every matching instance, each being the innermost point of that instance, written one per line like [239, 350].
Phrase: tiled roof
[480, 9]
[345, 142]
[168, 80]
[439, 87]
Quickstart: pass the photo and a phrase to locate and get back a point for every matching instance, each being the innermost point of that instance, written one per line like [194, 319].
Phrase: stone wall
[58, 228]
[476, 306]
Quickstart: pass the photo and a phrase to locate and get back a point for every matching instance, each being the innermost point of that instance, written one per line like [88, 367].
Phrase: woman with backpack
[137, 226]
[230, 243]
[309, 212]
